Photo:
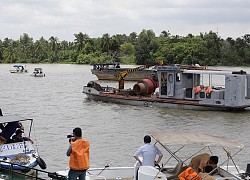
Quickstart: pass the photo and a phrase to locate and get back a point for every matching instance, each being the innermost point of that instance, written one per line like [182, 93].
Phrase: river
[57, 105]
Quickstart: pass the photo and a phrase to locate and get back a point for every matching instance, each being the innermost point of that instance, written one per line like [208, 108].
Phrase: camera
[71, 137]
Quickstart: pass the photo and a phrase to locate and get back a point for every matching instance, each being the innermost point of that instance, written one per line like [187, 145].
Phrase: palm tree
[54, 48]
[106, 43]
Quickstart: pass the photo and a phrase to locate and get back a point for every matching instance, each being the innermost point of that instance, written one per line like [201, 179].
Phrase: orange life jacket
[79, 157]
[197, 89]
[189, 174]
[209, 89]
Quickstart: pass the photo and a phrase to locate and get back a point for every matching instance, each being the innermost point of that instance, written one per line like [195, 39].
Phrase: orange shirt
[79, 157]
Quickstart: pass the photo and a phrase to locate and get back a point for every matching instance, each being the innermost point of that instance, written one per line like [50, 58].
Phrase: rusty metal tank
[145, 87]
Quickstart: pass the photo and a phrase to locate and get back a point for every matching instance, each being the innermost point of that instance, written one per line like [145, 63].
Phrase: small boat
[180, 87]
[111, 71]
[38, 72]
[19, 69]
[180, 148]
[18, 155]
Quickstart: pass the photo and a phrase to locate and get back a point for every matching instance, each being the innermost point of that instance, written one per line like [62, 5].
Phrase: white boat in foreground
[181, 87]
[18, 68]
[19, 155]
[180, 148]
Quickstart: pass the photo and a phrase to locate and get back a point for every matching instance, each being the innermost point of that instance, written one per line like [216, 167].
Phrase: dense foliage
[143, 48]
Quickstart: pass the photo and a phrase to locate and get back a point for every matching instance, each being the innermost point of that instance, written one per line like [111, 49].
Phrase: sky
[64, 18]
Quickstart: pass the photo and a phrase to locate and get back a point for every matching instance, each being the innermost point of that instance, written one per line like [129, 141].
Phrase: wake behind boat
[180, 148]
[181, 87]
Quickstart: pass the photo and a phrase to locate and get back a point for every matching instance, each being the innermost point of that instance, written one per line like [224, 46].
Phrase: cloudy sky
[64, 18]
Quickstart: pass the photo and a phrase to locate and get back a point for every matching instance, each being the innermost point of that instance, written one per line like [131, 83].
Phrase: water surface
[57, 105]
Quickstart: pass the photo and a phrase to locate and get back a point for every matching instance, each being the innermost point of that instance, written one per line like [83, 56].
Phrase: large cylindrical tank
[145, 87]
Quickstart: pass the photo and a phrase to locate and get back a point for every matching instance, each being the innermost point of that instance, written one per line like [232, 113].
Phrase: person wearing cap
[18, 137]
[78, 152]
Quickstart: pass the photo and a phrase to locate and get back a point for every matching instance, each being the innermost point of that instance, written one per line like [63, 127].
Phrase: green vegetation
[144, 48]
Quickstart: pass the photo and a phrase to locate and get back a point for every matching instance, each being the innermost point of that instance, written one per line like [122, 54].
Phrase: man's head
[213, 160]
[19, 132]
[77, 132]
[147, 139]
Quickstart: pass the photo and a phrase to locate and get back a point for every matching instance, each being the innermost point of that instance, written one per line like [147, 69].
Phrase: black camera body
[71, 137]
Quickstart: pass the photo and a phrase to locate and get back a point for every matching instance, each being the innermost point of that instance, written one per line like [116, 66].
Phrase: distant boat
[111, 71]
[17, 68]
[181, 87]
[38, 72]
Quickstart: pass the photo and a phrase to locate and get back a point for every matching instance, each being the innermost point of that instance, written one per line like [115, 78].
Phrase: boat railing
[226, 178]
[37, 174]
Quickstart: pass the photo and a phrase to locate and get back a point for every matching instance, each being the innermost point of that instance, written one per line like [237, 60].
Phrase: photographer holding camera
[79, 155]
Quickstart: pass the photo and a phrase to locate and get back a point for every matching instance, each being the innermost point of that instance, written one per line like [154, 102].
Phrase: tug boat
[180, 87]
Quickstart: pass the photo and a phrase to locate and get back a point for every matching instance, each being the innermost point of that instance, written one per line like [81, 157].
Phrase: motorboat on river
[18, 155]
[181, 87]
[18, 68]
[111, 71]
[38, 72]
[180, 148]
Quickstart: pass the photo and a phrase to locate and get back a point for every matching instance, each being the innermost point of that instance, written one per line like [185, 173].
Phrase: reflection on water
[57, 105]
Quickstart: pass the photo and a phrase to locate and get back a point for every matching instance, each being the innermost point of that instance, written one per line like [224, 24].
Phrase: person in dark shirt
[10, 129]
[19, 138]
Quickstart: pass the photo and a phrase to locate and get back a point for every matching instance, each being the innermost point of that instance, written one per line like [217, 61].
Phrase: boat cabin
[101, 66]
[229, 88]
[18, 68]
[38, 72]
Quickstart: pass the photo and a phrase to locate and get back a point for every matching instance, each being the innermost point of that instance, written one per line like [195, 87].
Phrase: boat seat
[178, 166]
[176, 171]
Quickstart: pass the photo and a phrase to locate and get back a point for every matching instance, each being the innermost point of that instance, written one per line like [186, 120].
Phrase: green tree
[106, 43]
[143, 47]
[53, 43]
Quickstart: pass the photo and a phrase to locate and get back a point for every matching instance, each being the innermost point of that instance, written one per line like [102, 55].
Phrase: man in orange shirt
[79, 156]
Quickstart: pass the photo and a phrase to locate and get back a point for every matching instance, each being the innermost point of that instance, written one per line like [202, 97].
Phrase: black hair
[208, 168]
[19, 131]
[78, 132]
[214, 159]
[147, 139]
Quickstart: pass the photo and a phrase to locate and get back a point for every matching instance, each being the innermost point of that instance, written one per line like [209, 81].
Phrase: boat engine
[145, 87]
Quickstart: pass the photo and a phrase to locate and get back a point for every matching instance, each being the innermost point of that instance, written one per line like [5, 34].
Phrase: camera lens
[69, 136]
